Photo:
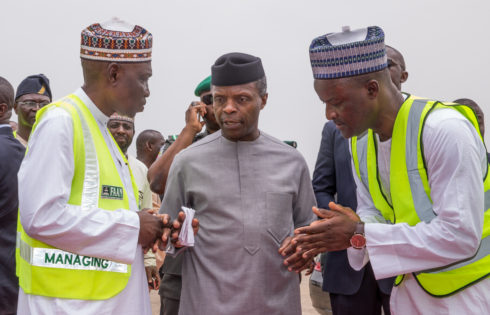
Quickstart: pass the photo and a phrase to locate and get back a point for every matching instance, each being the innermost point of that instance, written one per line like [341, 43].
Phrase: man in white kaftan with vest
[422, 178]
[80, 234]
[457, 192]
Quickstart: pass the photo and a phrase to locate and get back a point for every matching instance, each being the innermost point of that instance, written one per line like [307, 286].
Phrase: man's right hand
[151, 229]
[192, 120]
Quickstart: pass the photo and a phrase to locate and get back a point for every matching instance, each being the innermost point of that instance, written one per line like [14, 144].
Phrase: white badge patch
[56, 258]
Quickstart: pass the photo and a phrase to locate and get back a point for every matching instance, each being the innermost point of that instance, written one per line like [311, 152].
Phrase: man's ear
[3, 109]
[113, 73]
[264, 100]
[404, 77]
[15, 107]
[149, 145]
[372, 87]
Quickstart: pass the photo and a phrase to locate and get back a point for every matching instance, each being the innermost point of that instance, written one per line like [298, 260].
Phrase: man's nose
[120, 129]
[229, 107]
[330, 113]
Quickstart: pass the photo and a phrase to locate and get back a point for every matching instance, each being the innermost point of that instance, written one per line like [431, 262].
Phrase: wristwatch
[358, 241]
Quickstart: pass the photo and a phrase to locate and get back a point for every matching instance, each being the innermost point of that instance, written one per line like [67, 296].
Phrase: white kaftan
[456, 163]
[44, 188]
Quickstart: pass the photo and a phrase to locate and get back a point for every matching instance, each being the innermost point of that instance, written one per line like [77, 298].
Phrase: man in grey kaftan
[249, 193]
[248, 197]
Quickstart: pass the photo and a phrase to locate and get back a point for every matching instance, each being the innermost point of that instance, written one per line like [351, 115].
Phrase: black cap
[34, 84]
[236, 69]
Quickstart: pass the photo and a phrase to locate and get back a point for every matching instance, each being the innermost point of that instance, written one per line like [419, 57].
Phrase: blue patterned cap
[349, 53]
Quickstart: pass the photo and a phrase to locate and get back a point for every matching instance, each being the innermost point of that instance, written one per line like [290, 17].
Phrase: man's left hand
[152, 277]
[295, 262]
[331, 233]
[173, 233]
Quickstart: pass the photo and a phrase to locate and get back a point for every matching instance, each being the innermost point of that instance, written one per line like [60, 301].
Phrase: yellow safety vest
[410, 192]
[48, 271]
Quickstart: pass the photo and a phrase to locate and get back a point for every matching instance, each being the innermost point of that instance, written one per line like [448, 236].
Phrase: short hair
[261, 85]
[93, 70]
[470, 103]
[467, 102]
[476, 109]
[6, 93]
[144, 137]
[380, 76]
[402, 60]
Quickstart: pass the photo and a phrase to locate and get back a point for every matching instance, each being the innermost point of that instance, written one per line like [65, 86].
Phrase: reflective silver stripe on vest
[362, 158]
[57, 258]
[487, 200]
[90, 193]
[422, 203]
[17, 239]
[482, 251]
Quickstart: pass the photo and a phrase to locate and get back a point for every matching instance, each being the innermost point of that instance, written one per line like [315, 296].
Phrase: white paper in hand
[186, 236]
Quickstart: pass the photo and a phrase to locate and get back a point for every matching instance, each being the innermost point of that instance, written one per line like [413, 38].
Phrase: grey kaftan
[248, 197]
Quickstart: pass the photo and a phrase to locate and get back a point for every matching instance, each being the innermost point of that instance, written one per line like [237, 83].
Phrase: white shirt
[456, 163]
[140, 174]
[44, 188]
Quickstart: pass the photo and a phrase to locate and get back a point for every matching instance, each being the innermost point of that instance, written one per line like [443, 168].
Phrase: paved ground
[305, 299]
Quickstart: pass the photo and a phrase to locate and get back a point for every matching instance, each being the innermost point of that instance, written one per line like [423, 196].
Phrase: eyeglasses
[34, 104]
[207, 99]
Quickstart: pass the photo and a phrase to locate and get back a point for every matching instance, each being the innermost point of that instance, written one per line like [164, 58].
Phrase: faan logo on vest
[111, 192]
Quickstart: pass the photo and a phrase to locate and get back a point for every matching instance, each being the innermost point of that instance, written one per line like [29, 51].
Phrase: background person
[13, 125]
[158, 172]
[396, 66]
[122, 130]
[11, 154]
[171, 270]
[32, 94]
[478, 112]
[479, 115]
[148, 145]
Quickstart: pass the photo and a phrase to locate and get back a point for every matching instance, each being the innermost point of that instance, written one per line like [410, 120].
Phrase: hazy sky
[444, 45]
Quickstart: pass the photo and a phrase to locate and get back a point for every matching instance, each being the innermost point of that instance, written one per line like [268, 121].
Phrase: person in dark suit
[351, 292]
[11, 154]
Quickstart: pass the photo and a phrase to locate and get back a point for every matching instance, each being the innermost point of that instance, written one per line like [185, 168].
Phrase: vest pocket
[279, 215]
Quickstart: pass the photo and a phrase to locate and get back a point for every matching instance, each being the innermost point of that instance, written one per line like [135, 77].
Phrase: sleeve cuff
[128, 241]
[381, 253]
[358, 258]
